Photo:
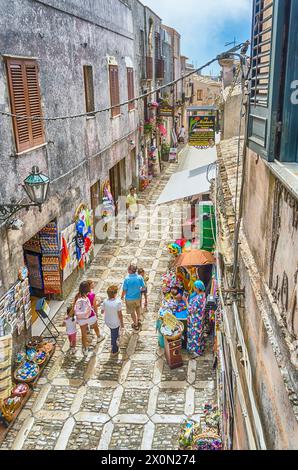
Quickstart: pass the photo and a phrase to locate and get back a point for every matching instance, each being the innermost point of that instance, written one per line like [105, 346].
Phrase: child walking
[112, 311]
[144, 290]
[70, 324]
[93, 321]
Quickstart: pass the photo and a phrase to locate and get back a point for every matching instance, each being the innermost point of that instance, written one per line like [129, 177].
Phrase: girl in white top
[112, 311]
[70, 324]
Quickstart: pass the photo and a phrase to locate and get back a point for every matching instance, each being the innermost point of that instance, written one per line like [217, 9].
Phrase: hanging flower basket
[148, 127]
[153, 105]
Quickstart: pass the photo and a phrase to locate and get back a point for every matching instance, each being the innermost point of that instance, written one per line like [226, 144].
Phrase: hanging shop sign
[201, 131]
[165, 110]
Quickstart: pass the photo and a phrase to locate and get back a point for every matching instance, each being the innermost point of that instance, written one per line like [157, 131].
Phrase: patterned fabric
[195, 324]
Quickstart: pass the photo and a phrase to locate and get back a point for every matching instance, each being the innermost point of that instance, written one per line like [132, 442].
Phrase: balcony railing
[159, 69]
[149, 68]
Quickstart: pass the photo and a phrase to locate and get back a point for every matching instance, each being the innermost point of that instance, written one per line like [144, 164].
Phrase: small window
[200, 95]
[114, 90]
[89, 89]
[130, 86]
[25, 101]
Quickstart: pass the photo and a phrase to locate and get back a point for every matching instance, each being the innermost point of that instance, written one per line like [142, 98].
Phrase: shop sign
[165, 110]
[201, 131]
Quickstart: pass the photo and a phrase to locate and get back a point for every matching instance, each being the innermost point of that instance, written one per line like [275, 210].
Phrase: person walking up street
[132, 209]
[112, 311]
[132, 292]
[182, 135]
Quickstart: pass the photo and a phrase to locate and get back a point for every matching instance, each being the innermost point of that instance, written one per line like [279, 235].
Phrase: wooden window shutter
[266, 55]
[289, 112]
[130, 85]
[114, 89]
[89, 88]
[25, 101]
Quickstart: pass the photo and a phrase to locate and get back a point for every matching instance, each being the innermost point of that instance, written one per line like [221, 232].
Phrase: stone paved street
[134, 401]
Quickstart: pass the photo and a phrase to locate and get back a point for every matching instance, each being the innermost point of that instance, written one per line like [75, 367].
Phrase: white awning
[185, 184]
[195, 158]
[191, 179]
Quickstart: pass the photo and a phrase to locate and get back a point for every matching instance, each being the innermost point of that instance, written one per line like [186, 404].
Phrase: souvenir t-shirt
[110, 308]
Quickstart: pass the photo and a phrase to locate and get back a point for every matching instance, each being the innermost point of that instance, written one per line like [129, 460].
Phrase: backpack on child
[83, 309]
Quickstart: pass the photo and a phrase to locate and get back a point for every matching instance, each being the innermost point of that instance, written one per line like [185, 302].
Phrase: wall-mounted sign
[165, 110]
[201, 131]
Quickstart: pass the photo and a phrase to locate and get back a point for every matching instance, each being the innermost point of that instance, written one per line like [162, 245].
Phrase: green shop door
[207, 227]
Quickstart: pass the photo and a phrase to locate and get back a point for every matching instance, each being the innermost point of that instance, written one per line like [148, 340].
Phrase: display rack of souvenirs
[84, 236]
[51, 274]
[49, 240]
[108, 204]
[203, 435]
[69, 260]
[33, 244]
[16, 303]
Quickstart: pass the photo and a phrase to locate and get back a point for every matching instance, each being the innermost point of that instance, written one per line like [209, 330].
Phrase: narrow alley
[131, 402]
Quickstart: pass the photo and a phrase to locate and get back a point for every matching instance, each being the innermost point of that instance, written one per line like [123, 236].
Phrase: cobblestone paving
[134, 401]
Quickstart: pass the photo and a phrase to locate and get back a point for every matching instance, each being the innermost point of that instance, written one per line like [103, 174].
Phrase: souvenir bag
[83, 309]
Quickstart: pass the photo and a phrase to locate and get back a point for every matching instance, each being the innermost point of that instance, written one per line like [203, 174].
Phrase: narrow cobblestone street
[134, 401]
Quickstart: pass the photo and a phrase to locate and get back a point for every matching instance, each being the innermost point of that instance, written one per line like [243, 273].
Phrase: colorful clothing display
[195, 323]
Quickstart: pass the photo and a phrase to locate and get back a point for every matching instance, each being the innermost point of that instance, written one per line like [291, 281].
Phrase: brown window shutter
[89, 88]
[25, 101]
[114, 89]
[130, 84]
[34, 103]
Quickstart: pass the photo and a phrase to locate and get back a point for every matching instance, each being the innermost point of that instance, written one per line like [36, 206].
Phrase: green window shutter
[266, 55]
[289, 135]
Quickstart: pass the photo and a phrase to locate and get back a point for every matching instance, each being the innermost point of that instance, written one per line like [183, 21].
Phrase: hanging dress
[195, 324]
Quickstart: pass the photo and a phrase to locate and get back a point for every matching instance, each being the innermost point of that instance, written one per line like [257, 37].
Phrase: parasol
[195, 258]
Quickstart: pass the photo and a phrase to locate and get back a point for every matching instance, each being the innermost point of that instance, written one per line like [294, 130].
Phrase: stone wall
[79, 152]
[269, 272]
[231, 116]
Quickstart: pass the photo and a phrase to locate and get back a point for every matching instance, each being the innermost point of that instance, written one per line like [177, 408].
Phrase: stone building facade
[76, 153]
[257, 188]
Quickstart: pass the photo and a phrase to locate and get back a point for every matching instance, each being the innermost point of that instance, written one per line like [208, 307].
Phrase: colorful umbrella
[195, 258]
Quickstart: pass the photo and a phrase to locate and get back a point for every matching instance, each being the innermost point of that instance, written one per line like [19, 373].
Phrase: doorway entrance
[117, 176]
[96, 200]
[133, 164]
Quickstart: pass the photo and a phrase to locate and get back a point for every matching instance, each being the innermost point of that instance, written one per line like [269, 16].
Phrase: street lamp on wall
[36, 186]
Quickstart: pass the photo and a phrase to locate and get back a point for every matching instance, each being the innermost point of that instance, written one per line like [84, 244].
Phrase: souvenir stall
[42, 258]
[203, 435]
[22, 358]
[84, 235]
[23, 376]
[178, 283]
[77, 242]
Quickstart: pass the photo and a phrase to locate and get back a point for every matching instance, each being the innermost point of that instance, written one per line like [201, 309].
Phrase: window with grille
[114, 89]
[266, 53]
[130, 86]
[25, 101]
[261, 52]
[89, 88]
[272, 124]
[200, 95]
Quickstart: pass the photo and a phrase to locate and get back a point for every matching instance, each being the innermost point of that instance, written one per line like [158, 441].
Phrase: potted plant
[165, 151]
